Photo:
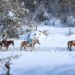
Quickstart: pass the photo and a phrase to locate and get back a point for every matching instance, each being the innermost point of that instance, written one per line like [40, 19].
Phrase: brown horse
[70, 44]
[25, 44]
[6, 43]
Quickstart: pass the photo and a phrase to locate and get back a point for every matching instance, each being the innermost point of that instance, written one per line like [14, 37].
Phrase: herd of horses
[25, 44]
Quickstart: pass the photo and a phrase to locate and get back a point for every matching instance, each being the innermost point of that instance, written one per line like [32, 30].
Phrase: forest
[14, 14]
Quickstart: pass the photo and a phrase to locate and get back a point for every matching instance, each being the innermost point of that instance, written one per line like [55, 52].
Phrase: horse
[6, 43]
[70, 44]
[25, 44]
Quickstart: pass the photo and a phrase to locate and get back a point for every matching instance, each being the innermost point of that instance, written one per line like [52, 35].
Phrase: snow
[11, 14]
[51, 57]
[40, 62]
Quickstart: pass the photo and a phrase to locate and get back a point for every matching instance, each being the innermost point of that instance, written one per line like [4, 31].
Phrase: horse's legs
[1, 47]
[21, 47]
[7, 48]
[69, 46]
[70, 49]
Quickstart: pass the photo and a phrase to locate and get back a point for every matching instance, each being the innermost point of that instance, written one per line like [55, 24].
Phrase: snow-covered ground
[51, 57]
[44, 63]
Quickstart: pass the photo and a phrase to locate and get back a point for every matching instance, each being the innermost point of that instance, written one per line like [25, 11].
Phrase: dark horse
[25, 44]
[6, 43]
[70, 44]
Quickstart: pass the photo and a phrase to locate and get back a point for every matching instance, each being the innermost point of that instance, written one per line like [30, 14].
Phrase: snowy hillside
[51, 57]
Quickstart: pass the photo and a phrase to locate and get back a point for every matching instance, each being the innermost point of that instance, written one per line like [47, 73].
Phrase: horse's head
[36, 41]
[12, 42]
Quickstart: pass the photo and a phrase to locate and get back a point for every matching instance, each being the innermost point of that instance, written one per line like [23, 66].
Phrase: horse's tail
[22, 45]
[68, 44]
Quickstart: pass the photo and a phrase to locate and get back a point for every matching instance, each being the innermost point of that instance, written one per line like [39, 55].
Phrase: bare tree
[7, 65]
